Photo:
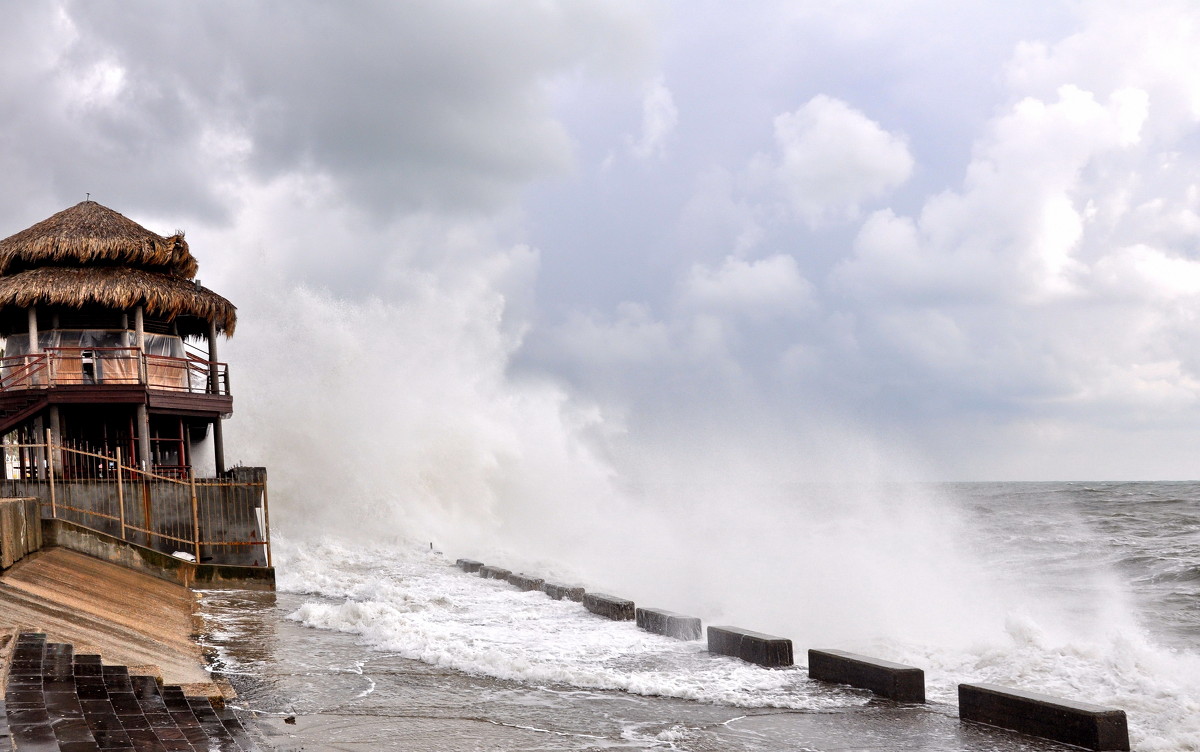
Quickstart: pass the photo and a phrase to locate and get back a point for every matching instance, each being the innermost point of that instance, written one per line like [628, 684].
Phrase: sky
[924, 239]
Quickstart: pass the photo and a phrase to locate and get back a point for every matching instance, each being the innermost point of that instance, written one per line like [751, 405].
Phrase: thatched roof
[89, 234]
[163, 295]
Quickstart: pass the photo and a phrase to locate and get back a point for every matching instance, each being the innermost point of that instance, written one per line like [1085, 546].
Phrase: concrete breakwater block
[469, 565]
[754, 647]
[525, 581]
[669, 623]
[559, 592]
[1067, 721]
[489, 572]
[892, 680]
[609, 606]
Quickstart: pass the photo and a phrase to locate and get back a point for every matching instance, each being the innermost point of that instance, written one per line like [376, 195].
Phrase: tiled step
[61, 702]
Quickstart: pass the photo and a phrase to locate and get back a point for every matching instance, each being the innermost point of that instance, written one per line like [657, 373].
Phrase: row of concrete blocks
[1081, 724]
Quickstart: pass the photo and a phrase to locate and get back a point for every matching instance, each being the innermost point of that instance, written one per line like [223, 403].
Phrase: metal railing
[215, 520]
[73, 366]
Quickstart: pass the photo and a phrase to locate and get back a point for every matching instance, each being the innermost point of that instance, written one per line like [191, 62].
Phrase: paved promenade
[58, 701]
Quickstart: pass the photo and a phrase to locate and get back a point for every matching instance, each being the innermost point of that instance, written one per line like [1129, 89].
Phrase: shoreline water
[1084, 568]
[345, 698]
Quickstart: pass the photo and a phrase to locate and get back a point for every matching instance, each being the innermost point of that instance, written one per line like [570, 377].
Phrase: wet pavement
[321, 690]
[57, 701]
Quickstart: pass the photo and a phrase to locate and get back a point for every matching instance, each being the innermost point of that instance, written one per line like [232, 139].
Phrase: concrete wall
[155, 563]
[20, 530]
[892, 680]
[1081, 724]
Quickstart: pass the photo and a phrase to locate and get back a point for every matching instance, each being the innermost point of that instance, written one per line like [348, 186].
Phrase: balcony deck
[119, 375]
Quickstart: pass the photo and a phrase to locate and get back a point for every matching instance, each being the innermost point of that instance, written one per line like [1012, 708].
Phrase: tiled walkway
[57, 701]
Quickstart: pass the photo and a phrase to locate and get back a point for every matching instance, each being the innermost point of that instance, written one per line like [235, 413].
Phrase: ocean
[1089, 591]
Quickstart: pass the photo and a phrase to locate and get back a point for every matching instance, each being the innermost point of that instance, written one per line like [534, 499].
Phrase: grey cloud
[410, 105]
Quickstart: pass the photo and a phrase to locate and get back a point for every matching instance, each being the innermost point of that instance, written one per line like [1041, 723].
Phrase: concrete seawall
[752, 647]
[669, 623]
[1081, 724]
[892, 680]
[154, 563]
[1042, 716]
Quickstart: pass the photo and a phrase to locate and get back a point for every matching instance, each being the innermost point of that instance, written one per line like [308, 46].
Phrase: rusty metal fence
[214, 520]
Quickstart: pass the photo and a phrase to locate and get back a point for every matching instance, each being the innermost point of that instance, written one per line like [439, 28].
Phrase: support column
[56, 438]
[139, 327]
[140, 342]
[39, 454]
[219, 447]
[214, 385]
[33, 330]
[143, 421]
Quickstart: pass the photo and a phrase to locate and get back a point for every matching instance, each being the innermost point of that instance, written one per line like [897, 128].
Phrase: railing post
[121, 494]
[50, 474]
[266, 520]
[195, 513]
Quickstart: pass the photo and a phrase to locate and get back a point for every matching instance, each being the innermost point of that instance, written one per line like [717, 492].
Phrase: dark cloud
[422, 105]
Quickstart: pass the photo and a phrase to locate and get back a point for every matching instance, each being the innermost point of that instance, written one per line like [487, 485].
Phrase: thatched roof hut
[89, 255]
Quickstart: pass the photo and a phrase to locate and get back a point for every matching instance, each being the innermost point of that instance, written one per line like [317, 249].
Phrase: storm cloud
[965, 234]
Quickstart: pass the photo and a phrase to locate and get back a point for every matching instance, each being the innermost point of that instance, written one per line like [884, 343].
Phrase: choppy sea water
[390, 647]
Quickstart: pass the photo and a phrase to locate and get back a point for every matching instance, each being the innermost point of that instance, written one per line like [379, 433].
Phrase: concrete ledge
[155, 563]
[1067, 721]
[754, 647]
[892, 680]
[468, 565]
[669, 623]
[525, 582]
[489, 572]
[609, 606]
[558, 591]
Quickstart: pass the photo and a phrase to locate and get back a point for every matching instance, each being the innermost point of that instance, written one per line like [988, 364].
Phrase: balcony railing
[76, 366]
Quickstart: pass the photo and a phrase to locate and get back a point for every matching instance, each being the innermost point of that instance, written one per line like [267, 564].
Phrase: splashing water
[400, 422]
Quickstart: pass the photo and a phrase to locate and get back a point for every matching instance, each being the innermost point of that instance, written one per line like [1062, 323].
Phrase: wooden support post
[143, 419]
[53, 501]
[139, 327]
[39, 451]
[55, 464]
[195, 514]
[140, 332]
[219, 447]
[121, 494]
[214, 384]
[33, 331]
[266, 517]
[34, 347]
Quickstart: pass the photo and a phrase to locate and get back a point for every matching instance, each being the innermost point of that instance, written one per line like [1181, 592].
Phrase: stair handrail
[31, 365]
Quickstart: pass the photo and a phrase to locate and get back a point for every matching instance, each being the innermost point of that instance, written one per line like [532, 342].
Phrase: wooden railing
[74, 366]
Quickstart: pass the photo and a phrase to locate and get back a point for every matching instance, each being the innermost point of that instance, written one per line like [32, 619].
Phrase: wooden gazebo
[110, 343]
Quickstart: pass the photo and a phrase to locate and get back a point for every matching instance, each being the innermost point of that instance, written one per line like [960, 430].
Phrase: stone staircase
[57, 701]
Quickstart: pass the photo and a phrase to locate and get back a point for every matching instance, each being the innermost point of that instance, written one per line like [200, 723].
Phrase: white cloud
[832, 158]
[760, 289]
[1015, 229]
[659, 118]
